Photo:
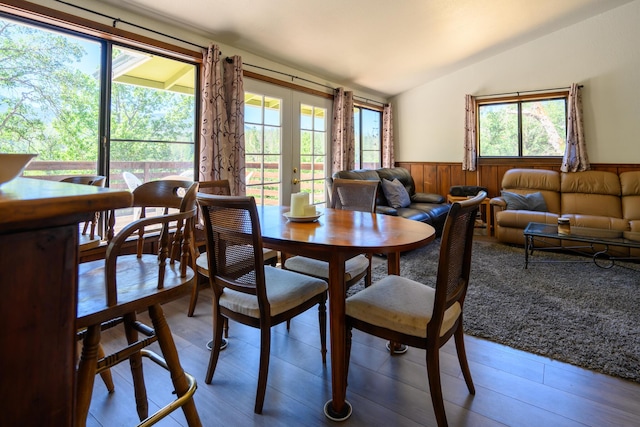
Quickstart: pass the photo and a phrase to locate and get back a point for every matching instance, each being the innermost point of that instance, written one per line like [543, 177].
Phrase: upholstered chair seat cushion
[352, 268]
[285, 290]
[399, 304]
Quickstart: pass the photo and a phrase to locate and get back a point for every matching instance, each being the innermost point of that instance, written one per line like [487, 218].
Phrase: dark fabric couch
[426, 207]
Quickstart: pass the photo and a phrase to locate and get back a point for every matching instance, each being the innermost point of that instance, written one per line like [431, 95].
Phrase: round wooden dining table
[336, 236]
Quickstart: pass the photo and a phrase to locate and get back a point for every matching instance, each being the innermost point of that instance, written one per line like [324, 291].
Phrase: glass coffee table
[591, 237]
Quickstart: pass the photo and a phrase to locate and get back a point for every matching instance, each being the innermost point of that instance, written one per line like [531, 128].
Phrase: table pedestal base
[335, 416]
[223, 345]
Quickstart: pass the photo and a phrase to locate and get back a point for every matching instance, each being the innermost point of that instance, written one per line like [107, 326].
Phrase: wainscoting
[432, 177]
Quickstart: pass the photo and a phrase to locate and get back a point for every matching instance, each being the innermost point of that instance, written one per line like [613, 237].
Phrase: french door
[287, 136]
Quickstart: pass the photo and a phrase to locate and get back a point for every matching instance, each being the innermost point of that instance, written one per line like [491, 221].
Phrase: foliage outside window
[523, 126]
[367, 126]
[54, 102]
[262, 139]
[313, 156]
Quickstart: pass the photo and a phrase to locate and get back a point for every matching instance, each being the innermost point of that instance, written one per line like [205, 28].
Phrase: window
[367, 125]
[262, 139]
[523, 126]
[91, 106]
[286, 134]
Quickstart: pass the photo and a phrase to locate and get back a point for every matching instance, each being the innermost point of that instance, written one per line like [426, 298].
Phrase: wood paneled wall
[432, 177]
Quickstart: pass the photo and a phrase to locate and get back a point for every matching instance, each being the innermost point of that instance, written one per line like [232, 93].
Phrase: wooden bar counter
[38, 289]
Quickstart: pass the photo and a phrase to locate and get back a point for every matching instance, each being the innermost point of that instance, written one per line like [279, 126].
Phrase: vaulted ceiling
[383, 47]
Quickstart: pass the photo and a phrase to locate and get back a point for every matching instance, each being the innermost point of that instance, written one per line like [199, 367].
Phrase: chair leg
[86, 373]
[107, 379]
[168, 348]
[367, 278]
[194, 297]
[322, 319]
[348, 352]
[135, 362]
[462, 358]
[218, 321]
[263, 372]
[435, 386]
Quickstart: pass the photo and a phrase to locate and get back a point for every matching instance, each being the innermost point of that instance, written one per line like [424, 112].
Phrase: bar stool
[112, 291]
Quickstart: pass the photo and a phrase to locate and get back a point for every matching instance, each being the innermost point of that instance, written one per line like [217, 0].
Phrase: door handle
[295, 181]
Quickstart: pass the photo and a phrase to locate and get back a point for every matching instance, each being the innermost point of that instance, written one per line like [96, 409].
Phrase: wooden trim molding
[432, 177]
[278, 82]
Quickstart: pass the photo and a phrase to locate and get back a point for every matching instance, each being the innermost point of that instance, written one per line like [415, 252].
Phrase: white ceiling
[383, 47]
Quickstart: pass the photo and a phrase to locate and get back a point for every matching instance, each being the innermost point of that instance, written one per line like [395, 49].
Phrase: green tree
[49, 105]
[33, 72]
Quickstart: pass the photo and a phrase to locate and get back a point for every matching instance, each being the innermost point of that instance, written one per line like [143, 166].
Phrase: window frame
[518, 98]
[358, 144]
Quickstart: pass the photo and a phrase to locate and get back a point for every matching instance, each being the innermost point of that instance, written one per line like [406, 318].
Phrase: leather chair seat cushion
[520, 219]
[352, 268]
[414, 214]
[399, 304]
[285, 290]
[601, 222]
[436, 211]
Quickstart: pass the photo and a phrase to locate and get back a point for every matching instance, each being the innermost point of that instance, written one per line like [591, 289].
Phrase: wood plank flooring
[513, 388]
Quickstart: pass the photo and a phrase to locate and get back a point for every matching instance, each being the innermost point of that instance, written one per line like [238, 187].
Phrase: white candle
[298, 202]
[310, 210]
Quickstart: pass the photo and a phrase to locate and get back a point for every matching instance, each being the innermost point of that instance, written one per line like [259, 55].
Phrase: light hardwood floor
[513, 388]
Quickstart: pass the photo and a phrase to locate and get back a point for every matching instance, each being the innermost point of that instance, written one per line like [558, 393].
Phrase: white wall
[602, 53]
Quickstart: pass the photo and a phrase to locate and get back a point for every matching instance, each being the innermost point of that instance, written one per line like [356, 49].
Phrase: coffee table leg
[528, 243]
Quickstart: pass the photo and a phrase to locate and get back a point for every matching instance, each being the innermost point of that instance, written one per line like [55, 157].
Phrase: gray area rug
[577, 313]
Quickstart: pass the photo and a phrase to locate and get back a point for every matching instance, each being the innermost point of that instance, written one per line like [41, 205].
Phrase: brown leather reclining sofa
[593, 199]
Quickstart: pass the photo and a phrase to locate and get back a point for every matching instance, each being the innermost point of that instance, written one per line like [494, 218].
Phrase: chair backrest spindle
[354, 194]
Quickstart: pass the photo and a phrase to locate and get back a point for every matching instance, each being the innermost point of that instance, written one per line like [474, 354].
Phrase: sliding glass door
[88, 106]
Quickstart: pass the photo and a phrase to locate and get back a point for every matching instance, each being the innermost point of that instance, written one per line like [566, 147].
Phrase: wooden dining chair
[244, 289]
[346, 194]
[88, 238]
[409, 312]
[114, 290]
[219, 187]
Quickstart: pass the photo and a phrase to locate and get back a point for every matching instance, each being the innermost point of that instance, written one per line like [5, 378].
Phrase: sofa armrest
[498, 204]
[386, 210]
[427, 198]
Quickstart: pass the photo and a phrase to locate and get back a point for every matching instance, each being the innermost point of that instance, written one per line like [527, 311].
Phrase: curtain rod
[117, 20]
[527, 91]
[293, 77]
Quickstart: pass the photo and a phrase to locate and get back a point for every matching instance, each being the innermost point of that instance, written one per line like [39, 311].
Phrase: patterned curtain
[470, 152]
[342, 138]
[213, 116]
[575, 155]
[388, 155]
[234, 100]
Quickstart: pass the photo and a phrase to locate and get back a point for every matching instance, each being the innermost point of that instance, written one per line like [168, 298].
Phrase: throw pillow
[527, 202]
[395, 193]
